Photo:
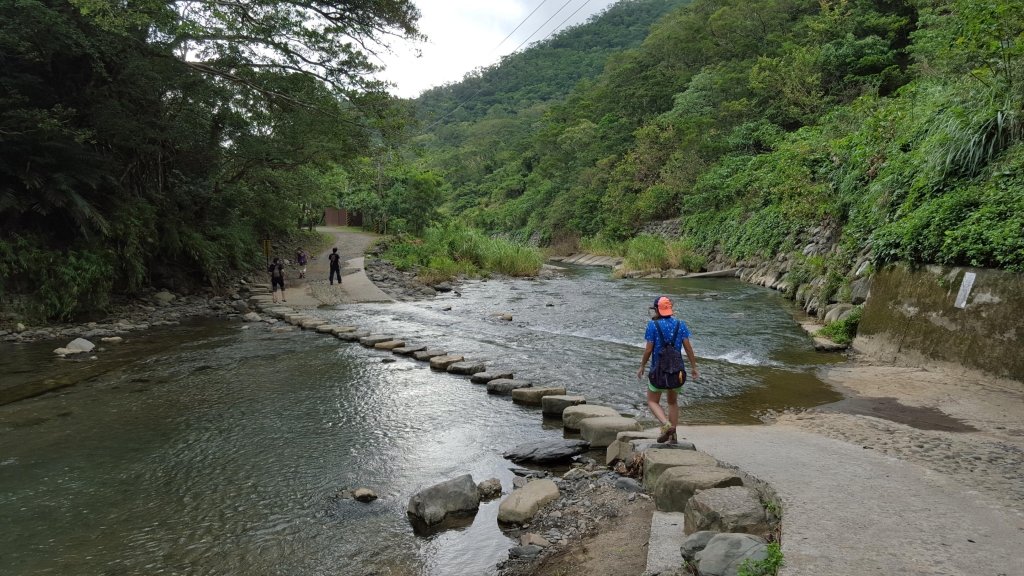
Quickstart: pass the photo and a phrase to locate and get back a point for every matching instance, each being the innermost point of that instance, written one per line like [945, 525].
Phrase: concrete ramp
[667, 535]
[357, 288]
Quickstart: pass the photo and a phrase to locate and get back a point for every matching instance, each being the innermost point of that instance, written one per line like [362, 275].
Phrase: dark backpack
[669, 373]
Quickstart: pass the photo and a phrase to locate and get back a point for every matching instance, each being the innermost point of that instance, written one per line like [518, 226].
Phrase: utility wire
[539, 28]
[557, 28]
[542, 26]
[520, 25]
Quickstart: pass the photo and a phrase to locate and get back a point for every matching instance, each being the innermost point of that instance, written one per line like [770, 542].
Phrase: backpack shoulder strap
[676, 333]
[662, 334]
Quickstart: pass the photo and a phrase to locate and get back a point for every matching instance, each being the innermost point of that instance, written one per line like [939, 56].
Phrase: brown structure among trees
[342, 217]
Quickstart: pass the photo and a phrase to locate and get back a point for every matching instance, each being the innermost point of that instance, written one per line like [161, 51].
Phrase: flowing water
[208, 449]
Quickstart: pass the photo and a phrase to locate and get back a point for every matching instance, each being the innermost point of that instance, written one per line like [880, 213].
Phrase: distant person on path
[301, 258]
[276, 272]
[335, 266]
[666, 337]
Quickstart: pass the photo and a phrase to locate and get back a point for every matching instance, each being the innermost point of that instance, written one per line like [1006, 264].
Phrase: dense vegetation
[899, 120]
[147, 141]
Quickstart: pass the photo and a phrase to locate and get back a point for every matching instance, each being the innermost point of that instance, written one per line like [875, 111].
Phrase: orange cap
[663, 305]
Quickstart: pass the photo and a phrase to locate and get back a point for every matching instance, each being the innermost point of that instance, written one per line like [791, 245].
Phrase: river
[208, 449]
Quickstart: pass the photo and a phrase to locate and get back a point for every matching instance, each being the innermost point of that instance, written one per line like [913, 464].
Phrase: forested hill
[899, 122]
[548, 69]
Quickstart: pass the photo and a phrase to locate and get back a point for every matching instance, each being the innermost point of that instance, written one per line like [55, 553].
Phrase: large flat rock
[601, 431]
[573, 415]
[374, 339]
[534, 396]
[408, 350]
[466, 368]
[555, 405]
[676, 486]
[344, 330]
[325, 329]
[426, 355]
[732, 509]
[485, 377]
[657, 461]
[549, 451]
[353, 336]
[389, 345]
[523, 504]
[312, 323]
[441, 363]
[502, 386]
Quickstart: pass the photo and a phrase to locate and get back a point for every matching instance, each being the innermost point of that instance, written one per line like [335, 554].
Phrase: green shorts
[653, 389]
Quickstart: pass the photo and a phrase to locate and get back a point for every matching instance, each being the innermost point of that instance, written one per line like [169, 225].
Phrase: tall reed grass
[450, 249]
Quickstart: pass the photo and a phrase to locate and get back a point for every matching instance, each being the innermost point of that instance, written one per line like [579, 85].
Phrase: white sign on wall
[965, 290]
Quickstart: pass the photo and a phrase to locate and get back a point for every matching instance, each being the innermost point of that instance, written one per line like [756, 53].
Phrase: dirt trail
[315, 289]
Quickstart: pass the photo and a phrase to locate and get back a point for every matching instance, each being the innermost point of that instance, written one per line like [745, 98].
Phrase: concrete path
[663, 547]
[316, 290]
[851, 511]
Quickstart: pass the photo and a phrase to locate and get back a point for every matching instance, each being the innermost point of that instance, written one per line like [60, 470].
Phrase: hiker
[666, 337]
[276, 272]
[301, 258]
[335, 266]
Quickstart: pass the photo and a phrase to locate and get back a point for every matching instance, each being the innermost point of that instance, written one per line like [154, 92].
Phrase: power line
[556, 28]
[543, 2]
[539, 28]
[542, 26]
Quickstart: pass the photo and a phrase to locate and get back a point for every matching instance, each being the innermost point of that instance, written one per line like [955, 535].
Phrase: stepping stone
[311, 323]
[344, 329]
[573, 415]
[601, 431]
[389, 345]
[374, 339]
[547, 451]
[466, 368]
[663, 546]
[295, 318]
[426, 355]
[353, 336]
[523, 504]
[554, 405]
[441, 363]
[534, 396]
[408, 350]
[282, 329]
[485, 377]
[325, 329]
[639, 446]
[658, 461]
[622, 449]
[504, 386]
[676, 486]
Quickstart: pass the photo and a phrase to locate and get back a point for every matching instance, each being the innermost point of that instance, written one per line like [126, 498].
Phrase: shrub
[646, 252]
[601, 246]
[767, 567]
[681, 255]
[843, 331]
[450, 249]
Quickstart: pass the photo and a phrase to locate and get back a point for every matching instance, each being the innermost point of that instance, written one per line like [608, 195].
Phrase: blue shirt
[668, 327]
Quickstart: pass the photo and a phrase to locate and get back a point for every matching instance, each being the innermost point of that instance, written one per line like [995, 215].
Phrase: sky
[464, 35]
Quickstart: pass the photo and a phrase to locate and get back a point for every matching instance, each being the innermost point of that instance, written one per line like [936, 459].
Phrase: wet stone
[533, 396]
[441, 363]
[353, 336]
[408, 350]
[466, 368]
[554, 405]
[485, 377]
[389, 345]
[426, 355]
[503, 386]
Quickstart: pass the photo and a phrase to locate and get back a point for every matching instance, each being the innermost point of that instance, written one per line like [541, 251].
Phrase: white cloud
[463, 35]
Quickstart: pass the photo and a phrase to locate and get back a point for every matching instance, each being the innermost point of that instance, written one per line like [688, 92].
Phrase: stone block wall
[972, 317]
[667, 229]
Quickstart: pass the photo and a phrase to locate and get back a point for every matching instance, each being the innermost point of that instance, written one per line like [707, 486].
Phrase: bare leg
[654, 403]
[283, 299]
[274, 292]
[673, 407]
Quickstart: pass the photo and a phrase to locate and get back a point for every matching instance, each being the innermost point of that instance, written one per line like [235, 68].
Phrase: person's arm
[689, 354]
[647, 356]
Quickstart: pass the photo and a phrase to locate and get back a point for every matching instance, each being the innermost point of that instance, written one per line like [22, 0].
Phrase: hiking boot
[673, 439]
[667, 431]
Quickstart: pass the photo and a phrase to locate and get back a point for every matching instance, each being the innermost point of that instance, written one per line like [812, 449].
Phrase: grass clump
[767, 567]
[450, 249]
[681, 255]
[601, 246]
[843, 331]
[646, 252]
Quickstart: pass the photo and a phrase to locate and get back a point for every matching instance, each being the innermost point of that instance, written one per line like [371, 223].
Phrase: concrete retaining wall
[968, 316]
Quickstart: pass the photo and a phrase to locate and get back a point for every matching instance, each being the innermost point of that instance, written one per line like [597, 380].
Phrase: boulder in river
[724, 553]
[80, 345]
[364, 495]
[408, 350]
[466, 368]
[164, 296]
[502, 386]
[251, 317]
[547, 451]
[457, 496]
[485, 377]
[489, 489]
